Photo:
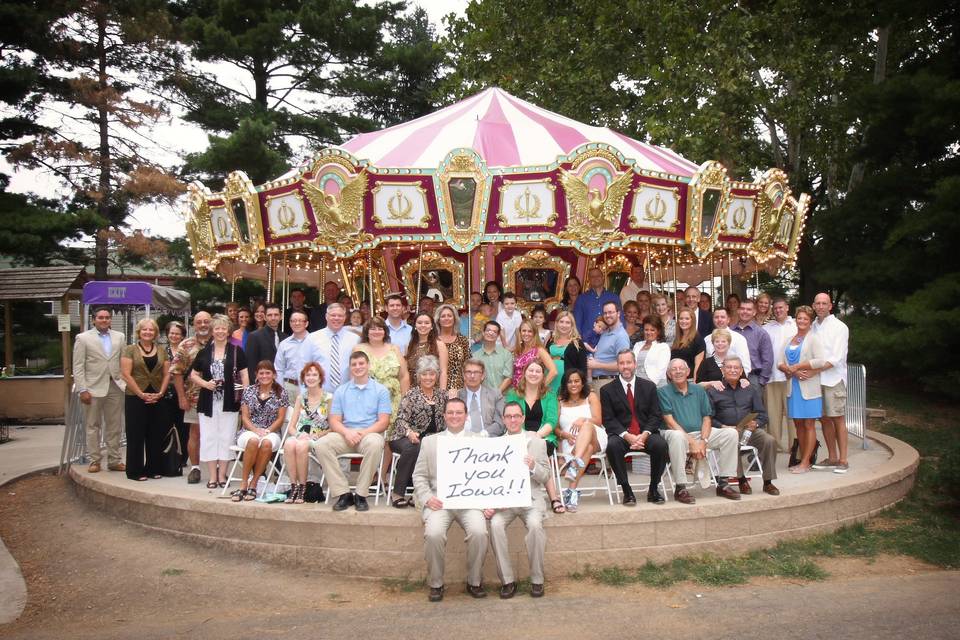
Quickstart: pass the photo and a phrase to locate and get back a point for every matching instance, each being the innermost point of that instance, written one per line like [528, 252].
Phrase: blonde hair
[456, 318]
[720, 333]
[144, 322]
[574, 334]
[519, 349]
[219, 319]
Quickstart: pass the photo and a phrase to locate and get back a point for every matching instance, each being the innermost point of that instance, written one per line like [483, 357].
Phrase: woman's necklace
[147, 352]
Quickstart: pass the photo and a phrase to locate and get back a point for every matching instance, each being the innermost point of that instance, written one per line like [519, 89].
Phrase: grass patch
[925, 525]
[403, 585]
[173, 572]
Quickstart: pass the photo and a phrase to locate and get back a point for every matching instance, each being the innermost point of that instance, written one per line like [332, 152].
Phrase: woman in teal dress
[565, 348]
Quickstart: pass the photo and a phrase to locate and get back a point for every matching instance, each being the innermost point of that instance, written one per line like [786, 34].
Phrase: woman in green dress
[387, 365]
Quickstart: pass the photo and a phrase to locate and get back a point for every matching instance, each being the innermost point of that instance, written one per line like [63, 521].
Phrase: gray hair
[428, 363]
[686, 366]
[335, 305]
[733, 359]
[627, 350]
[219, 319]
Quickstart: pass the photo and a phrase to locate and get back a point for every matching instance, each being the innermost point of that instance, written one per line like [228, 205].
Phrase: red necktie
[634, 427]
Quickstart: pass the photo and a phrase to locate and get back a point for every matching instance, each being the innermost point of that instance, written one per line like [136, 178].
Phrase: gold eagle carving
[338, 218]
[590, 208]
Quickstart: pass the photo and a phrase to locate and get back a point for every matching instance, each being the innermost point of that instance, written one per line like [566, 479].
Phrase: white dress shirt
[834, 336]
[780, 335]
[738, 348]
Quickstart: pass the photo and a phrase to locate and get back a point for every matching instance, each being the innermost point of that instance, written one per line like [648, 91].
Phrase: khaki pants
[775, 397]
[293, 394]
[536, 540]
[106, 411]
[766, 450]
[332, 445]
[723, 441]
[435, 527]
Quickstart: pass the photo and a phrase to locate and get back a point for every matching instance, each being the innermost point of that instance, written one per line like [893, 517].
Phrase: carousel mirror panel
[537, 278]
[435, 276]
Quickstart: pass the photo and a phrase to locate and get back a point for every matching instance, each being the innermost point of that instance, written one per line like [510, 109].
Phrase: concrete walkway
[31, 449]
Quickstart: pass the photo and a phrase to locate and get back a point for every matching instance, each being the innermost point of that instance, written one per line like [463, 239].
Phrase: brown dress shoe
[745, 489]
[536, 590]
[772, 490]
[682, 495]
[94, 467]
[726, 491]
[508, 590]
[476, 591]
[436, 594]
[120, 466]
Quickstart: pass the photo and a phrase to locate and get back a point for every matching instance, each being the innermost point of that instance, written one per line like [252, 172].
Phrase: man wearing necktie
[632, 417]
[484, 405]
[331, 347]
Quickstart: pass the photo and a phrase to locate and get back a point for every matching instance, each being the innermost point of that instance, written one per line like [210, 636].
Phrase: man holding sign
[500, 519]
[437, 519]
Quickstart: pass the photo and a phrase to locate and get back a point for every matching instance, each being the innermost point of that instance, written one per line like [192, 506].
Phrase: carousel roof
[505, 131]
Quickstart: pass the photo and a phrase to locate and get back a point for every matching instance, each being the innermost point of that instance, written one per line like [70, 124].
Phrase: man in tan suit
[437, 520]
[532, 516]
[96, 375]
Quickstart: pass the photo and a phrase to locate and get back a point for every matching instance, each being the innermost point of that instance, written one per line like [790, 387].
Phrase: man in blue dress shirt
[359, 415]
[590, 303]
[602, 365]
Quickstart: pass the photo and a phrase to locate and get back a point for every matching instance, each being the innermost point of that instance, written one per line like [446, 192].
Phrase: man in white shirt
[738, 344]
[331, 347]
[400, 330]
[633, 286]
[781, 329]
[289, 359]
[834, 336]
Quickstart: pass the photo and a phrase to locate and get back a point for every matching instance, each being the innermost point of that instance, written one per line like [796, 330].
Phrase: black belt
[604, 377]
[292, 381]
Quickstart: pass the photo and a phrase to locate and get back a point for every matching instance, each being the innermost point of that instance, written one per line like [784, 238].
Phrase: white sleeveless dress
[569, 415]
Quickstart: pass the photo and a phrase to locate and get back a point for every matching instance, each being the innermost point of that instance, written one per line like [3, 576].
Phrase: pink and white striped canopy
[506, 132]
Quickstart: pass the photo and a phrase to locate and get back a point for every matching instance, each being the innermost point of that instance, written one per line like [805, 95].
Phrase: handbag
[313, 493]
[171, 461]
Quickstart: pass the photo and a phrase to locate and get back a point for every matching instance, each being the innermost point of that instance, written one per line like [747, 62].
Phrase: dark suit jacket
[260, 346]
[616, 411]
[704, 323]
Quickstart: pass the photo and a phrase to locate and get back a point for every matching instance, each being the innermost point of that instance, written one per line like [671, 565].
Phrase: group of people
[605, 378]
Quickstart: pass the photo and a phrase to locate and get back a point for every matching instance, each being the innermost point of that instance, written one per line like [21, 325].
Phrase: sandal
[557, 506]
[411, 502]
[212, 484]
[301, 491]
[400, 503]
[237, 496]
[250, 494]
[292, 494]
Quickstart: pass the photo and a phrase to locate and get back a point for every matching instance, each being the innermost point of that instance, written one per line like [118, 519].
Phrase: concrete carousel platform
[388, 542]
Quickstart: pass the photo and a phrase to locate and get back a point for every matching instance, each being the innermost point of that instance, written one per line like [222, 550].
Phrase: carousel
[495, 188]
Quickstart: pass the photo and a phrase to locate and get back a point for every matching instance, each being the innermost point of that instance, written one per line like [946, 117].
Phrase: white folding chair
[234, 474]
[408, 491]
[376, 488]
[644, 486]
[751, 463]
[602, 482]
[283, 462]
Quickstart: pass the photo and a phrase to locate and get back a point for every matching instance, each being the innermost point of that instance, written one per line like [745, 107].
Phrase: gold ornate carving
[655, 210]
[399, 206]
[595, 153]
[286, 216]
[710, 179]
[460, 170]
[593, 220]
[740, 218]
[199, 231]
[537, 260]
[339, 220]
[527, 205]
[239, 186]
[433, 261]
[771, 200]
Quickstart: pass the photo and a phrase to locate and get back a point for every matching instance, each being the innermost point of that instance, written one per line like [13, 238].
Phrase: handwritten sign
[482, 473]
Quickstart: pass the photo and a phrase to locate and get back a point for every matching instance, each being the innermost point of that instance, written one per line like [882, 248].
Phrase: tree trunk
[879, 75]
[102, 248]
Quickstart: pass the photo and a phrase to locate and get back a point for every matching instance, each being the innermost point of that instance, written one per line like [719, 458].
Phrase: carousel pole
[713, 286]
[233, 289]
[270, 279]
[285, 287]
[419, 279]
[649, 271]
[466, 292]
[729, 273]
[676, 283]
[373, 308]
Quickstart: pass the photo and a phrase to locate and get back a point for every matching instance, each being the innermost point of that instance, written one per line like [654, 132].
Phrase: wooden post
[7, 333]
[67, 350]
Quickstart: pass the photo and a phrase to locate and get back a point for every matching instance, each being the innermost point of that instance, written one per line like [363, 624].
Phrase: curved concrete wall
[385, 542]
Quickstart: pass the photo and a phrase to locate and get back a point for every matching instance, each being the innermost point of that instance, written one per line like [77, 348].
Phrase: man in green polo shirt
[687, 411]
[497, 361]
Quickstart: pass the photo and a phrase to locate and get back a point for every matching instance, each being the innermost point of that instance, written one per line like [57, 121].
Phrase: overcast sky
[180, 138]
